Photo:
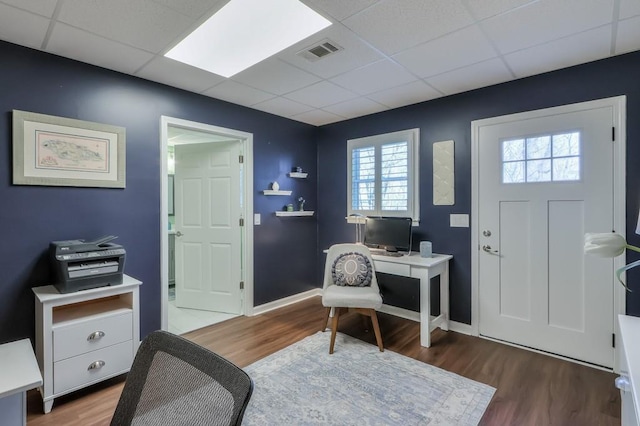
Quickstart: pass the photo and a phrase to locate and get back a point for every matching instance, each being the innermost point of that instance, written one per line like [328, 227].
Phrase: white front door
[208, 232]
[544, 179]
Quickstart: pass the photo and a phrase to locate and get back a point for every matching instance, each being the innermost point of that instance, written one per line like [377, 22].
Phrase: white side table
[19, 372]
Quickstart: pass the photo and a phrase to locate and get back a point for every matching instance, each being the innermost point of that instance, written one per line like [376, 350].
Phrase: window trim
[412, 137]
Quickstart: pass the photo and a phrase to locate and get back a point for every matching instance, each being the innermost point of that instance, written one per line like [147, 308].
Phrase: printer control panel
[91, 254]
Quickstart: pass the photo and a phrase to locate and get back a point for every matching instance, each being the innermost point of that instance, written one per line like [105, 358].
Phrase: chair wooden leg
[325, 319]
[334, 328]
[376, 329]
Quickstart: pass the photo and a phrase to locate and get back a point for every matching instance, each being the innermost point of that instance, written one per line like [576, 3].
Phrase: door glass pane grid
[363, 178]
[395, 176]
[547, 158]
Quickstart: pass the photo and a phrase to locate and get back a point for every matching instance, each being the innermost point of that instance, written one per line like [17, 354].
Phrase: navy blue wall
[32, 216]
[450, 118]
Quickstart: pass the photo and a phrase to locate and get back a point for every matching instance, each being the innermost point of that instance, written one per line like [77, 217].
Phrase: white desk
[19, 372]
[422, 268]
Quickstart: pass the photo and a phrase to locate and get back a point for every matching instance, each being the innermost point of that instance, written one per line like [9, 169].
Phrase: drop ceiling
[394, 52]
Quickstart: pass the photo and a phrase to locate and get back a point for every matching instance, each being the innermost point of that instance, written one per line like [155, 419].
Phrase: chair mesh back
[175, 382]
[177, 392]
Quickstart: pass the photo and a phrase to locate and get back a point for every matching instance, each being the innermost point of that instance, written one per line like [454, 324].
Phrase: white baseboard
[280, 303]
[458, 327]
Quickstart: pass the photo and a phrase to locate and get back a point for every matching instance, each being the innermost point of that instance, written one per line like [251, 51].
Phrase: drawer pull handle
[96, 365]
[96, 335]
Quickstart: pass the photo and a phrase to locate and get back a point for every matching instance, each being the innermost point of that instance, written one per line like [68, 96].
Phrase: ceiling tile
[472, 77]
[378, 76]
[41, 7]
[194, 8]
[628, 37]
[282, 106]
[138, 23]
[454, 50]
[395, 25]
[356, 53]
[355, 108]
[174, 73]
[317, 117]
[238, 93]
[487, 8]
[71, 42]
[22, 27]
[573, 50]
[629, 8]
[407, 94]
[544, 21]
[339, 9]
[275, 76]
[321, 94]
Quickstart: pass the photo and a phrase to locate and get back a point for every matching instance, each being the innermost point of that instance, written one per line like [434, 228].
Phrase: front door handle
[179, 234]
[488, 249]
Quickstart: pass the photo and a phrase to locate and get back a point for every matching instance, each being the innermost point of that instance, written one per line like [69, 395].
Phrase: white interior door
[544, 179]
[208, 232]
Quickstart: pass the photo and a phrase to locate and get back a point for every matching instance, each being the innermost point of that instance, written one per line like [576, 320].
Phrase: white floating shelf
[272, 192]
[298, 175]
[295, 213]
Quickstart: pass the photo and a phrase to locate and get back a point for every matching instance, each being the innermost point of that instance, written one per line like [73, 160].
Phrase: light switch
[459, 220]
[256, 218]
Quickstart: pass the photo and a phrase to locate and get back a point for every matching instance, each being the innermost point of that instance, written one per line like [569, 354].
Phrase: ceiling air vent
[319, 50]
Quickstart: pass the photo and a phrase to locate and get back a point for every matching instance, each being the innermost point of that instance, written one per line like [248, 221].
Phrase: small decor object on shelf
[296, 169]
[275, 186]
[289, 207]
[301, 201]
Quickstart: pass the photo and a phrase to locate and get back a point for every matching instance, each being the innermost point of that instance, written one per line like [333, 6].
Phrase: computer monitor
[389, 233]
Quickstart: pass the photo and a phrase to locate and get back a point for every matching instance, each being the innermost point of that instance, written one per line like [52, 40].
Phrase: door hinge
[241, 221]
[613, 134]
[241, 159]
[241, 285]
[613, 340]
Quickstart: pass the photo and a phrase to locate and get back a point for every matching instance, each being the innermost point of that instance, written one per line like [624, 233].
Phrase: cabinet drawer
[75, 372]
[73, 339]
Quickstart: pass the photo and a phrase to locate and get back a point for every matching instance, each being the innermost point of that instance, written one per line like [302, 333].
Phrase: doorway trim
[618, 104]
[246, 141]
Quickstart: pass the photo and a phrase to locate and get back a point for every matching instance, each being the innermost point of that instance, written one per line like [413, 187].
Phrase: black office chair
[174, 381]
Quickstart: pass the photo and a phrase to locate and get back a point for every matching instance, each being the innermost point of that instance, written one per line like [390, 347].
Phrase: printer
[81, 265]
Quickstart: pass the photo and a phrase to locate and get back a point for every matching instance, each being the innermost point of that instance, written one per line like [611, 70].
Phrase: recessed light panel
[245, 32]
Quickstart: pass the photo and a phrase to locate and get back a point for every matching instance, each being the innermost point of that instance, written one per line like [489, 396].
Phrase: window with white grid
[543, 158]
[383, 175]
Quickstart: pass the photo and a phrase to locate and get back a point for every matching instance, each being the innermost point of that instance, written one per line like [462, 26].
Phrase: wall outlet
[256, 218]
[459, 220]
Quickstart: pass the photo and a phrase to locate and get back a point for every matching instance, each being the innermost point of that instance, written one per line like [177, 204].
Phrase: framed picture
[57, 151]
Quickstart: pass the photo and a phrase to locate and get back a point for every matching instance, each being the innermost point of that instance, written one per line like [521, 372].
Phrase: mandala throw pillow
[351, 269]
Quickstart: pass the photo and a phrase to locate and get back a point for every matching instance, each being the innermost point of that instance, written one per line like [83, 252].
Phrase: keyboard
[382, 252]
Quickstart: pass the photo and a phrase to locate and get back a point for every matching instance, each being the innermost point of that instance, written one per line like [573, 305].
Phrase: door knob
[179, 234]
[488, 249]
[486, 233]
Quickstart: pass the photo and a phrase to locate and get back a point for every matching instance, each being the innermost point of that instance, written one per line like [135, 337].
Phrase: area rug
[358, 385]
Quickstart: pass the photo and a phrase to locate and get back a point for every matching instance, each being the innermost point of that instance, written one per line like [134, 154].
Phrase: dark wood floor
[532, 389]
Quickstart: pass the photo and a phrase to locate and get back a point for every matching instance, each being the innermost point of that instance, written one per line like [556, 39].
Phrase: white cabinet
[85, 337]
[18, 373]
[629, 380]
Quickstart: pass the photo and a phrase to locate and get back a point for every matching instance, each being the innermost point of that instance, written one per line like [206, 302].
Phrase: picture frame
[58, 151]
